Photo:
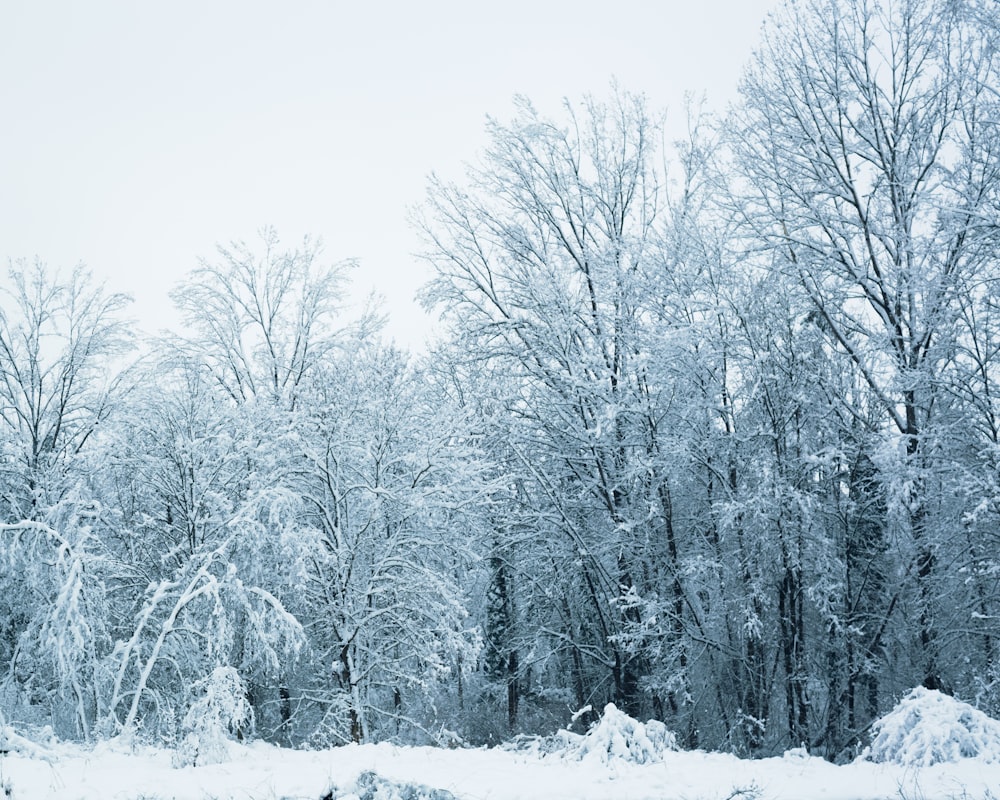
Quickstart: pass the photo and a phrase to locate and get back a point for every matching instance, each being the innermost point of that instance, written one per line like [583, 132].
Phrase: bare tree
[60, 344]
[261, 318]
[385, 497]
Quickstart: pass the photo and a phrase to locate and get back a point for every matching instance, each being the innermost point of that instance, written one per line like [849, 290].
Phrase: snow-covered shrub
[619, 737]
[556, 744]
[615, 737]
[11, 742]
[220, 713]
[370, 786]
[927, 727]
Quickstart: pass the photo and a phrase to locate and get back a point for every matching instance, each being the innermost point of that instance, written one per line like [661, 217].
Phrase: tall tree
[386, 504]
[198, 545]
[543, 264]
[62, 341]
[864, 141]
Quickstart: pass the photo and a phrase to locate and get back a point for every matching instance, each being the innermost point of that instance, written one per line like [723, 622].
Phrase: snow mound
[797, 754]
[371, 786]
[927, 727]
[11, 742]
[619, 737]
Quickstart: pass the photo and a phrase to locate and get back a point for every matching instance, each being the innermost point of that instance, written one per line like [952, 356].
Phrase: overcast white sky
[134, 136]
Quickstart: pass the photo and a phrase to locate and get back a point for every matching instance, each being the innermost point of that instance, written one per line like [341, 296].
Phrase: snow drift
[927, 727]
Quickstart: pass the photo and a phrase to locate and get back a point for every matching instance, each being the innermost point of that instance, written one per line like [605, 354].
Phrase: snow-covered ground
[620, 758]
[111, 771]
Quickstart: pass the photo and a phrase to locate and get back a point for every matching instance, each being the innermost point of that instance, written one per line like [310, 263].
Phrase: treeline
[712, 434]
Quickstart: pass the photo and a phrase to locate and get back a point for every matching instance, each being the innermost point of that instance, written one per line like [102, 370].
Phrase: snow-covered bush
[12, 742]
[220, 713]
[615, 737]
[370, 786]
[619, 737]
[927, 727]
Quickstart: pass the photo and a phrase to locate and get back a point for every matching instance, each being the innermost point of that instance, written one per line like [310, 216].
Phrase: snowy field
[112, 771]
[930, 747]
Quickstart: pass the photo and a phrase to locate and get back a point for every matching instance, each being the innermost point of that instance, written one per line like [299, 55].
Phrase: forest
[711, 431]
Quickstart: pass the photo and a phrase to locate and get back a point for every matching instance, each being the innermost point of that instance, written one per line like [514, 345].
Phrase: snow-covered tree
[545, 261]
[867, 143]
[60, 343]
[261, 317]
[383, 595]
